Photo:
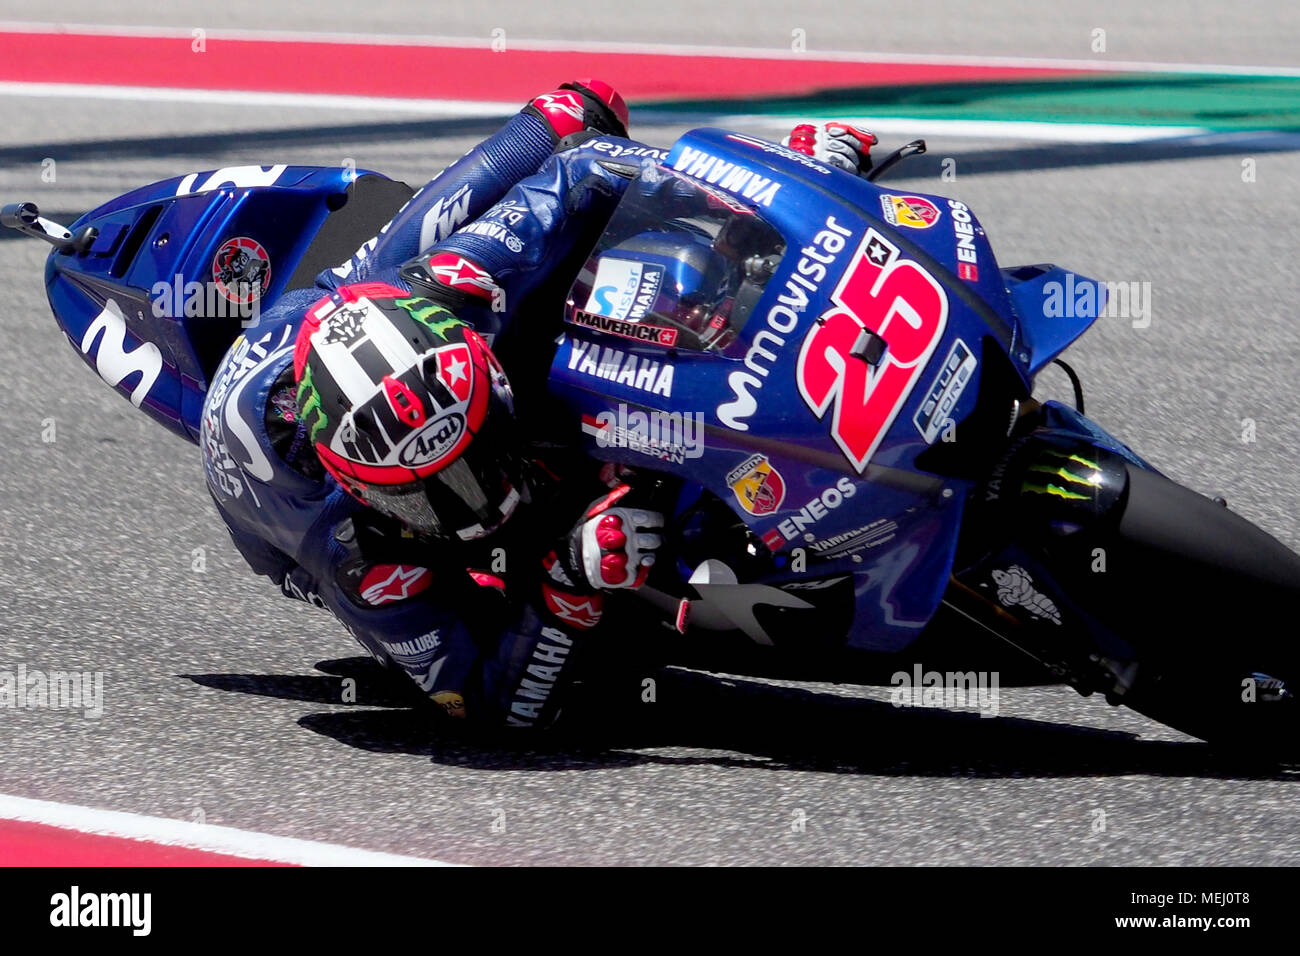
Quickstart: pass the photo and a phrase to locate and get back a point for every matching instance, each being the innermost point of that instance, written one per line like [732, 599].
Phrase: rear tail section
[152, 287]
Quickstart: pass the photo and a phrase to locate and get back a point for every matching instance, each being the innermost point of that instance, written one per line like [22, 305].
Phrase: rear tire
[1208, 601]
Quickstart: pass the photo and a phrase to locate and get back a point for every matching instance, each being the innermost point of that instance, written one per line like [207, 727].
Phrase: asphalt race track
[223, 700]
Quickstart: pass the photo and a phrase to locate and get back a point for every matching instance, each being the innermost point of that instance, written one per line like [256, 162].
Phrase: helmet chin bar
[475, 531]
[399, 507]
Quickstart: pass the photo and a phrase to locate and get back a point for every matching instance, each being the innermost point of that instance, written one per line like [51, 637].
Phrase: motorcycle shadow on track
[701, 718]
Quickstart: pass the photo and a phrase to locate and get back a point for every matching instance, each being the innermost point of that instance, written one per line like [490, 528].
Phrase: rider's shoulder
[251, 393]
[601, 146]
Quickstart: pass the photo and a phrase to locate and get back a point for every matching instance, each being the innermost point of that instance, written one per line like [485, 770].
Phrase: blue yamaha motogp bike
[838, 410]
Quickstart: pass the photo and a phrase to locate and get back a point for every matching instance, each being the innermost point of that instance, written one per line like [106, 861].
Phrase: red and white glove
[839, 144]
[579, 105]
[615, 545]
[610, 547]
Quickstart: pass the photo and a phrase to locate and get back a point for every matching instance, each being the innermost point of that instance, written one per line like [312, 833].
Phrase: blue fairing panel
[1054, 306]
[142, 305]
[851, 500]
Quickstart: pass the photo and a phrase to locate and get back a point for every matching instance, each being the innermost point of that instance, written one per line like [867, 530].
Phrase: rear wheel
[1169, 603]
[1209, 601]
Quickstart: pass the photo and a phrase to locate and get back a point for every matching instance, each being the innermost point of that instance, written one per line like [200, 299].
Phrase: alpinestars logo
[460, 273]
[580, 611]
[567, 104]
[564, 111]
[385, 583]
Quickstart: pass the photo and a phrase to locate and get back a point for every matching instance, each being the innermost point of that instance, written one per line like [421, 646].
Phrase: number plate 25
[901, 303]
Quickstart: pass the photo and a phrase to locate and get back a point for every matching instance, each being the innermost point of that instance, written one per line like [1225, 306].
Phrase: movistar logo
[1077, 472]
[604, 297]
[113, 361]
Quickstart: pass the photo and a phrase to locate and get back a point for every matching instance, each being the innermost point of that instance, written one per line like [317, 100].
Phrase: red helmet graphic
[408, 409]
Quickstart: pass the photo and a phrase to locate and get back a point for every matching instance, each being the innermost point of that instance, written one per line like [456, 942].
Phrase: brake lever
[915, 148]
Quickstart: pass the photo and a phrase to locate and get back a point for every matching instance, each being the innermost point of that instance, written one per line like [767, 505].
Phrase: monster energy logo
[423, 311]
[1046, 486]
[311, 403]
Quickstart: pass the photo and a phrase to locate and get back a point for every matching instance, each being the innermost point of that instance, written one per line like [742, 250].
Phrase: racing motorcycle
[837, 402]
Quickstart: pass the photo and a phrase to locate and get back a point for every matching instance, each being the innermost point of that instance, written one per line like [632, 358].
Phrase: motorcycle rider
[364, 448]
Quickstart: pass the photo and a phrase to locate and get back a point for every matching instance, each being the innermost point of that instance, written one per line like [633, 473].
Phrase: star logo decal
[393, 582]
[458, 272]
[454, 370]
[878, 252]
[582, 612]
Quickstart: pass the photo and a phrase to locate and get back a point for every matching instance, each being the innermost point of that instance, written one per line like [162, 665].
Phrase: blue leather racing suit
[478, 626]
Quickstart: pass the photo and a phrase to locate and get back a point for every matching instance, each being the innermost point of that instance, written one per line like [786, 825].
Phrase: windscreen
[680, 264]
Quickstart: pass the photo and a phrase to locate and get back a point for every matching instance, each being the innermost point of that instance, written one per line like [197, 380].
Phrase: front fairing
[779, 407]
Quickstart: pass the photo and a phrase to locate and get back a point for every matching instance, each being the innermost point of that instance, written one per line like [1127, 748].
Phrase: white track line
[198, 836]
[152, 94]
[658, 49]
[988, 129]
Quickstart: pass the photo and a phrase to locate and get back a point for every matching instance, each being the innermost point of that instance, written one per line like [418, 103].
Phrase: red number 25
[901, 303]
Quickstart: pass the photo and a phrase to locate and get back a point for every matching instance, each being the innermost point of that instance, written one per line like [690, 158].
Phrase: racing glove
[618, 545]
[583, 104]
[613, 545]
[838, 144]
